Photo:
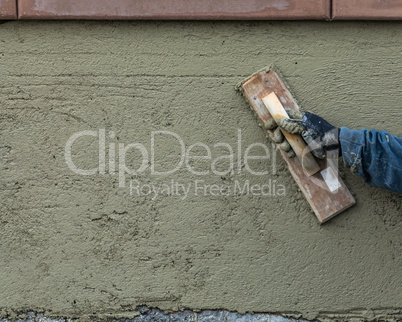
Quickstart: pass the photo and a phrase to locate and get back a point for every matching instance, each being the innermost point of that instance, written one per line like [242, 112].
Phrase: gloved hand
[320, 136]
[278, 137]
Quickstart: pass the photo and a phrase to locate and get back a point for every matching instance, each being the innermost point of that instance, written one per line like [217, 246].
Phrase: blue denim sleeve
[374, 155]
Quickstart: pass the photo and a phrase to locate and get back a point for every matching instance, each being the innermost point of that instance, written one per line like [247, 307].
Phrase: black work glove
[321, 137]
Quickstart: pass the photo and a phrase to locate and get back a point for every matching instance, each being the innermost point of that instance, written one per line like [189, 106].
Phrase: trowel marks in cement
[73, 245]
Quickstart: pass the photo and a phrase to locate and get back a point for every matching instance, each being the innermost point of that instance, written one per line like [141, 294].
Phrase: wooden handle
[297, 143]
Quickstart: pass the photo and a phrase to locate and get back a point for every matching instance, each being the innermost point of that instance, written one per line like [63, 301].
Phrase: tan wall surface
[76, 245]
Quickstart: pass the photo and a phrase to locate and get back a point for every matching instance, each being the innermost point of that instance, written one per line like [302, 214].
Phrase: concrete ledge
[145, 314]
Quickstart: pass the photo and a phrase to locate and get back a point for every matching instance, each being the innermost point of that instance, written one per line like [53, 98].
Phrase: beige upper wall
[76, 245]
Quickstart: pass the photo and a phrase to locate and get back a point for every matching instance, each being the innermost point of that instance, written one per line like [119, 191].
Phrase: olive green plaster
[76, 246]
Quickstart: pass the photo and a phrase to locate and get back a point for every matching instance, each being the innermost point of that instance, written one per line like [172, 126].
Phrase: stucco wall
[75, 245]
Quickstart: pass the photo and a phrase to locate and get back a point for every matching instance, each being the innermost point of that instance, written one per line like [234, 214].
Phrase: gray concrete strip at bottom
[155, 315]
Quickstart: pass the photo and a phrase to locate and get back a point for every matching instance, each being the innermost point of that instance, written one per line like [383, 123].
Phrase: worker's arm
[374, 155]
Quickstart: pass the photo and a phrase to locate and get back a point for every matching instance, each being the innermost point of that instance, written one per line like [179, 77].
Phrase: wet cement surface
[77, 245]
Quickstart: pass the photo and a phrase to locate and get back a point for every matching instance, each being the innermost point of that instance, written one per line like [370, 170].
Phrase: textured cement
[80, 246]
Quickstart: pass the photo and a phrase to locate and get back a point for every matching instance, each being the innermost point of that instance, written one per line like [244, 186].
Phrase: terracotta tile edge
[177, 18]
[330, 13]
[10, 13]
[368, 17]
[338, 14]
[320, 12]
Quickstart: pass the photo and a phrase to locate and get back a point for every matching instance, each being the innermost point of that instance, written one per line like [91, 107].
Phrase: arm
[374, 155]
